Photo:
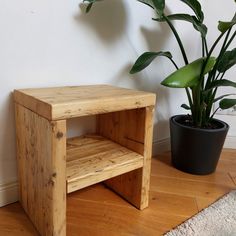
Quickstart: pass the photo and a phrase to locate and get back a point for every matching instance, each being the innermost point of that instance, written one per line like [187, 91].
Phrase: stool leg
[132, 129]
[41, 157]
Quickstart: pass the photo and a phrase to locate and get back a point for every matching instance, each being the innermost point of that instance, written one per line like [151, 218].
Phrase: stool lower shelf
[92, 159]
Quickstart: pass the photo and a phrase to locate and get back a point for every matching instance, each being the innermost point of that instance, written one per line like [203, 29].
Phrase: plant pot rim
[224, 124]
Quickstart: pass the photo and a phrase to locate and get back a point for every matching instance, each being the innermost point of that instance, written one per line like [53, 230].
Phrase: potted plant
[197, 138]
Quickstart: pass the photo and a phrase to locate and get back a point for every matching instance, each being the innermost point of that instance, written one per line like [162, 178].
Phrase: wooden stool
[50, 165]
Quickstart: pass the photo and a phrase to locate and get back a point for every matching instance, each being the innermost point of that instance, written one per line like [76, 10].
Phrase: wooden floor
[175, 196]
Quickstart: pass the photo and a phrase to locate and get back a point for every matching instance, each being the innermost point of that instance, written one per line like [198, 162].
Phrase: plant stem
[206, 47]
[214, 112]
[217, 76]
[203, 48]
[203, 55]
[222, 75]
[177, 38]
[215, 44]
[183, 54]
[209, 100]
[212, 74]
[174, 63]
[231, 39]
[189, 98]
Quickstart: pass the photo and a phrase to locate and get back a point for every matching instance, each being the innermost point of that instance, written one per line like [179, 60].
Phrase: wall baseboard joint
[161, 146]
[8, 193]
[230, 142]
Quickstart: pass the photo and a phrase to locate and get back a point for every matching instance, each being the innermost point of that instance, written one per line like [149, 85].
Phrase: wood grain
[117, 220]
[41, 130]
[98, 211]
[92, 162]
[67, 102]
[41, 153]
[185, 187]
[203, 202]
[233, 176]
[132, 129]
[162, 167]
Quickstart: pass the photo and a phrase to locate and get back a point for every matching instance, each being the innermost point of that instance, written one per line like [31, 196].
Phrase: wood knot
[59, 134]
[54, 175]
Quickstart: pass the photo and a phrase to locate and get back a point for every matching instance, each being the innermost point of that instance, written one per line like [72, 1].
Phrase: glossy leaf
[159, 5]
[189, 75]
[145, 59]
[227, 103]
[223, 26]
[192, 19]
[227, 61]
[185, 106]
[222, 83]
[196, 7]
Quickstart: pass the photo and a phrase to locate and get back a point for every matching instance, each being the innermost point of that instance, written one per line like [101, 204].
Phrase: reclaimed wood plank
[93, 164]
[67, 102]
[132, 129]
[41, 153]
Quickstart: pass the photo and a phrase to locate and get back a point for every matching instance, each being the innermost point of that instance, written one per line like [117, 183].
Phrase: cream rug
[219, 219]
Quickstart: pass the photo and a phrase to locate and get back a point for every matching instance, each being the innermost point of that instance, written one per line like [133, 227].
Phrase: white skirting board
[230, 142]
[161, 146]
[8, 193]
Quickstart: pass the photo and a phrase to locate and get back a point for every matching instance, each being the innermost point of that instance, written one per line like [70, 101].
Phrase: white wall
[53, 43]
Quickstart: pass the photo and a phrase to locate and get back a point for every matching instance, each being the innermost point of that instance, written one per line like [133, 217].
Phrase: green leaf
[189, 75]
[227, 61]
[223, 26]
[147, 2]
[225, 95]
[222, 83]
[185, 106]
[192, 19]
[227, 103]
[159, 5]
[196, 7]
[145, 59]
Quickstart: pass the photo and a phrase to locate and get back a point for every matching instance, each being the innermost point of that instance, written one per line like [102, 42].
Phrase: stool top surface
[73, 101]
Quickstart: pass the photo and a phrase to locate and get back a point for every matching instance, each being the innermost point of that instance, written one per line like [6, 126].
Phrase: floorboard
[174, 197]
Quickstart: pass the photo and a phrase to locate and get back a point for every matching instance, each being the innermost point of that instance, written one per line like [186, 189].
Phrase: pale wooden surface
[97, 211]
[92, 159]
[132, 129]
[41, 153]
[68, 102]
[87, 162]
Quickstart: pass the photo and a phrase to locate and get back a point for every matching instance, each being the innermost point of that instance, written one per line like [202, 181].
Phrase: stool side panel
[148, 140]
[132, 129]
[41, 151]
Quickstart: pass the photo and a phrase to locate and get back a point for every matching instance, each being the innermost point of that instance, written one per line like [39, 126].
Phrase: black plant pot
[196, 150]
